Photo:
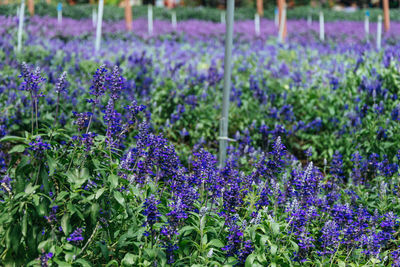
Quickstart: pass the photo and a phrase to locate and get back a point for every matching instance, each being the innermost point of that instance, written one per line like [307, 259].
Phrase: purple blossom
[82, 119]
[76, 236]
[38, 145]
[98, 84]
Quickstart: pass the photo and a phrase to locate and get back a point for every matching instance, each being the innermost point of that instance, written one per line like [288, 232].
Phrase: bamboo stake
[128, 15]
[386, 15]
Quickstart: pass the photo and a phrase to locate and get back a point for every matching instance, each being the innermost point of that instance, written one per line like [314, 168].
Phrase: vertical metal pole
[223, 135]
[59, 13]
[173, 20]
[257, 24]
[94, 17]
[99, 22]
[20, 25]
[379, 33]
[150, 19]
[366, 24]
[309, 20]
[321, 26]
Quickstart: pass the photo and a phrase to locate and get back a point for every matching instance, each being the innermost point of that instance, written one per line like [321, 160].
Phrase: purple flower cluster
[38, 145]
[44, 258]
[76, 236]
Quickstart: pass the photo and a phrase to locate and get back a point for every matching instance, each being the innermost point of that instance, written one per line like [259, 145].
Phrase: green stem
[36, 114]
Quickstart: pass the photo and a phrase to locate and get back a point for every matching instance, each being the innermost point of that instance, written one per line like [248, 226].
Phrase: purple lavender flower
[53, 215]
[76, 236]
[61, 85]
[88, 140]
[32, 80]
[167, 236]
[244, 252]
[98, 84]
[82, 119]
[330, 238]
[44, 258]
[234, 241]
[5, 184]
[134, 109]
[38, 145]
[395, 257]
[151, 211]
[116, 82]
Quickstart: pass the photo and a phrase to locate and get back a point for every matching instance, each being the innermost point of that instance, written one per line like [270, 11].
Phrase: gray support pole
[223, 129]
[99, 24]
[20, 25]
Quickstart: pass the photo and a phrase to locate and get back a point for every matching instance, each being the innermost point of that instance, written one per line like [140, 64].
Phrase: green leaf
[24, 224]
[52, 165]
[17, 149]
[78, 177]
[100, 192]
[128, 260]
[30, 189]
[62, 263]
[249, 261]
[295, 246]
[186, 229]
[44, 245]
[119, 198]
[113, 179]
[274, 248]
[13, 139]
[275, 228]
[112, 263]
[83, 263]
[341, 263]
[216, 243]
[65, 223]
[94, 210]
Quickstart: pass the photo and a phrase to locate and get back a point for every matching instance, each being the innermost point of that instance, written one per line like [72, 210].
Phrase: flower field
[110, 159]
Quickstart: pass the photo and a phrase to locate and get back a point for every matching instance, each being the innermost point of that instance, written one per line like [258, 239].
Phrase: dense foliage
[109, 159]
[114, 13]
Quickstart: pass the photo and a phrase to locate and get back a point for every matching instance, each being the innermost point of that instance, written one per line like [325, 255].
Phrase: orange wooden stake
[260, 8]
[128, 15]
[48, 2]
[31, 7]
[170, 4]
[281, 6]
[386, 16]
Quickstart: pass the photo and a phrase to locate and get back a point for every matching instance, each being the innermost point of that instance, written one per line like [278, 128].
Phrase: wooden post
[386, 16]
[281, 6]
[48, 2]
[31, 7]
[128, 15]
[170, 4]
[260, 8]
